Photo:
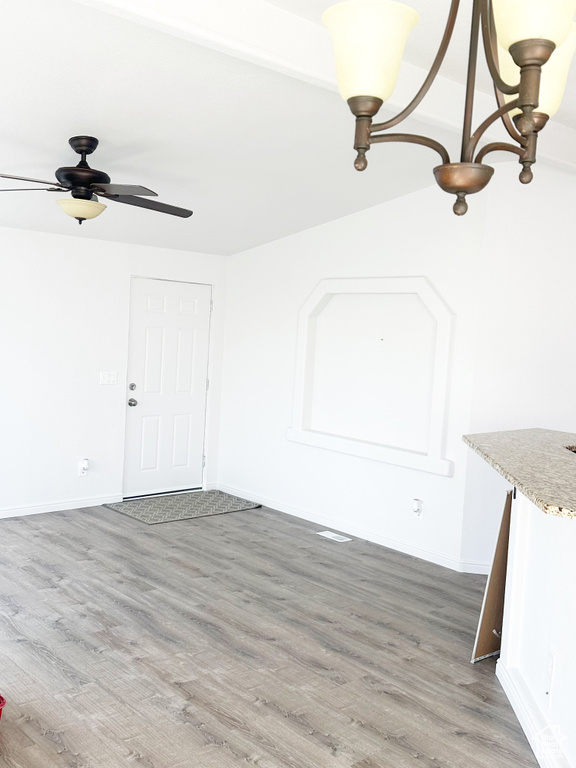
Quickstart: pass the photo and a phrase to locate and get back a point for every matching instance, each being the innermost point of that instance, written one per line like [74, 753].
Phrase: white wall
[64, 318]
[513, 361]
[416, 235]
[64, 304]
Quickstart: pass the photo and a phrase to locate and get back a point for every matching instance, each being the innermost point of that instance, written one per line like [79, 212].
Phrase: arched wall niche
[372, 371]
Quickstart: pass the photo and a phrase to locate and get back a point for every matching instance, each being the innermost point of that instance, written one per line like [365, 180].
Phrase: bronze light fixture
[528, 46]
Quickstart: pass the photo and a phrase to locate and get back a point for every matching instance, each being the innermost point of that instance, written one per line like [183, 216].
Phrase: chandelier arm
[477, 135]
[412, 138]
[489, 40]
[498, 146]
[430, 77]
[507, 120]
[470, 81]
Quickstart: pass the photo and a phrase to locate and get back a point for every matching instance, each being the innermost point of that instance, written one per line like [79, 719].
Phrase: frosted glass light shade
[554, 75]
[369, 38]
[533, 20]
[81, 209]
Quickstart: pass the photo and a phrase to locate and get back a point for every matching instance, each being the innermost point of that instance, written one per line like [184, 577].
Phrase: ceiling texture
[227, 107]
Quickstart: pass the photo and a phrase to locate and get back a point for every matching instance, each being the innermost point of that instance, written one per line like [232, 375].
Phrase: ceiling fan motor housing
[79, 178]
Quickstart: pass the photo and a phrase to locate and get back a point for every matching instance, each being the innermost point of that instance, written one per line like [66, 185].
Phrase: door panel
[168, 364]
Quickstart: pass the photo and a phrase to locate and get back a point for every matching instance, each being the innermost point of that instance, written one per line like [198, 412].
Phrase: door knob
[132, 402]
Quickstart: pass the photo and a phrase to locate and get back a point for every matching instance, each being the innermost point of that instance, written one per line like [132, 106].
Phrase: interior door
[167, 384]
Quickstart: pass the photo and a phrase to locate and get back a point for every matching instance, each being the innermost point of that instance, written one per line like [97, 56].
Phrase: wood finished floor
[238, 639]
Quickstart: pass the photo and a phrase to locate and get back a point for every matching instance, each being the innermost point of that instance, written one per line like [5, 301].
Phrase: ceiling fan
[87, 184]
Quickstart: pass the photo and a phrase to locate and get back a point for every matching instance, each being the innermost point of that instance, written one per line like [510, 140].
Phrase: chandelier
[528, 46]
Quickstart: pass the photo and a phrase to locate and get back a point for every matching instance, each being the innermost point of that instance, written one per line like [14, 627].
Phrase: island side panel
[537, 667]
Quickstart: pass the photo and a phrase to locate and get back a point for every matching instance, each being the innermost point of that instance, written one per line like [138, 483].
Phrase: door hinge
[207, 383]
[203, 461]
[211, 305]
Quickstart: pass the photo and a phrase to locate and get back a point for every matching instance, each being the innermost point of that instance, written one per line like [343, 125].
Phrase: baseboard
[539, 732]
[58, 506]
[362, 533]
[482, 568]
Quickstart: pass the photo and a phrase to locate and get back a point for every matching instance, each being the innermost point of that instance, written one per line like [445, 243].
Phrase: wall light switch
[108, 377]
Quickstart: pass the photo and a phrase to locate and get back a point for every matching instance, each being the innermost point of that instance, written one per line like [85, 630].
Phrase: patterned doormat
[181, 506]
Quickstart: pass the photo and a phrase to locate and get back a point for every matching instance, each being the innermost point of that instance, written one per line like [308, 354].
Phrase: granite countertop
[537, 462]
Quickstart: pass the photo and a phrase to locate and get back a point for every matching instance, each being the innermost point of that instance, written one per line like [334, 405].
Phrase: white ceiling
[237, 120]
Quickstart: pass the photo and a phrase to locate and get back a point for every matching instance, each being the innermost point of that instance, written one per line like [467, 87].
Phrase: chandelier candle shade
[369, 40]
[518, 20]
[528, 46]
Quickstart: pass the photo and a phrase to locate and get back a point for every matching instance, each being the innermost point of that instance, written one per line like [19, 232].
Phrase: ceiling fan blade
[34, 181]
[34, 189]
[124, 189]
[153, 205]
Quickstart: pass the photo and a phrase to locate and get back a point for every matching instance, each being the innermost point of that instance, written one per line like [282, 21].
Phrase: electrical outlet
[83, 468]
[417, 507]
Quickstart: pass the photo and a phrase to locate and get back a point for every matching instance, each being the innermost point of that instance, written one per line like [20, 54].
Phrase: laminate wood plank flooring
[238, 639]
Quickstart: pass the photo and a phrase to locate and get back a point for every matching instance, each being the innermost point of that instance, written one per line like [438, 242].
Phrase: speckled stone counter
[537, 462]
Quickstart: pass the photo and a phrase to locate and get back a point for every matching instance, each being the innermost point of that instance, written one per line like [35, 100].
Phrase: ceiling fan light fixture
[85, 183]
[81, 209]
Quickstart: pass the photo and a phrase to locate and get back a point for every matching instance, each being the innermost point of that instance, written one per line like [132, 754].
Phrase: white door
[166, 387]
